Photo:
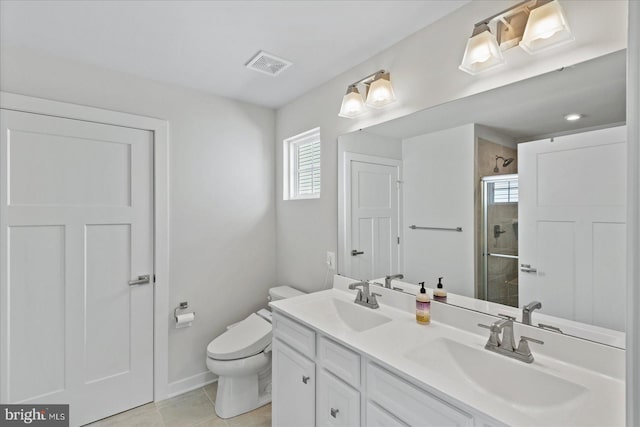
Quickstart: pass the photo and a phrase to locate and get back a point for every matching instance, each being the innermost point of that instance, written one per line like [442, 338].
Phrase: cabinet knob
[305, 379]
[334, 412]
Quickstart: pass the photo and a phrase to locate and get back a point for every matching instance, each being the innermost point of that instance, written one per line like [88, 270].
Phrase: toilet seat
[249, 337]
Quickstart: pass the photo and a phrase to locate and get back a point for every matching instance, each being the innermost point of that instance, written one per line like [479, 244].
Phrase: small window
[302, 166]
[505, 192]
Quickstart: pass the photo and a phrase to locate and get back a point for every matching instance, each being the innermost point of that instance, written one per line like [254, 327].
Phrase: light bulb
[573, 117]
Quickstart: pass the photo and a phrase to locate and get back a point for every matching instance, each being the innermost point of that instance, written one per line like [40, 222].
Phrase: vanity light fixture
[534, 25]
[378, 93]
[573, 117]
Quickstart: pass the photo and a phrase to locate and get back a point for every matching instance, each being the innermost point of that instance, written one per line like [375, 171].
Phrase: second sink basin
[513, 381]
[347, 314]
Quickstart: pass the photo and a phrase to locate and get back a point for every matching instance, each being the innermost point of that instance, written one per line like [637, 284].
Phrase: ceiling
[204, 44]
[533, 108]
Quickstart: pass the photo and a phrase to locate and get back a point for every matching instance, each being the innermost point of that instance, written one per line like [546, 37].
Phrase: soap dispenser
[439, 294]
[423, 306]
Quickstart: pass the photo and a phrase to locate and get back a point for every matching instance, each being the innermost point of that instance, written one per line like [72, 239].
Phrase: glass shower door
[500, 239]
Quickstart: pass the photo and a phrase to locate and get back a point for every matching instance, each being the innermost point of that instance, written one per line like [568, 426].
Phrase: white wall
[221, 188]
[424, 70]
[494, 136]
[363, 142]
[438, 192]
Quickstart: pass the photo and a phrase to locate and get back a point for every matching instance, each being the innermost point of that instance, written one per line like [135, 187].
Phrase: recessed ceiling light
[573, 117]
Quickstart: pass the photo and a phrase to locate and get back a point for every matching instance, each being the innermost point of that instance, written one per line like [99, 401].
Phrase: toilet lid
[247, 338]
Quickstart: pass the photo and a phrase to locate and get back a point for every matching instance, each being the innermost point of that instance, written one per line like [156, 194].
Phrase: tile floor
[187, 410]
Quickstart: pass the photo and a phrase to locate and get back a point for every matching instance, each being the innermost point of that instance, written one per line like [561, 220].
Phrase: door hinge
[398, 239]
[154, 278]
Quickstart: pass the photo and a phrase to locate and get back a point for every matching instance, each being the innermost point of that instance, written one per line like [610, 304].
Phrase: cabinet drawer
[299, 337]
[337, 403]
[378, 417]
[339, 360]
[410, 404]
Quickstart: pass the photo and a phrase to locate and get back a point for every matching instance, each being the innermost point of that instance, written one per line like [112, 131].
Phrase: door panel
[572, 226]
[75, 227]
[36, 293]
[96, 172]
[108, 269]
[609, 276]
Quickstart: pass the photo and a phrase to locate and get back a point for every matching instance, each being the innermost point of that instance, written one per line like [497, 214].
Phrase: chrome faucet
[364, 297]
[388, 279]
[506, 345]
[527, 310]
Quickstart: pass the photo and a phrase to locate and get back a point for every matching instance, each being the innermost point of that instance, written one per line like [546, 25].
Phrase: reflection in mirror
[502, 196]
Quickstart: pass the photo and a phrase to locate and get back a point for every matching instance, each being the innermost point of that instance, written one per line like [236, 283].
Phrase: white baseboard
[191, 383]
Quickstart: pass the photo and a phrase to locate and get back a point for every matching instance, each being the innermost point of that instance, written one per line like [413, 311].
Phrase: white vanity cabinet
[319, 382]
[294, 374]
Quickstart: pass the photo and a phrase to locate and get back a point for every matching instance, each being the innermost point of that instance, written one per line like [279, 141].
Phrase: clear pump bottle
[423, 306]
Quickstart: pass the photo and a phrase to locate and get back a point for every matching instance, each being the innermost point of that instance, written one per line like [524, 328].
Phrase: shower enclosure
[500, 239]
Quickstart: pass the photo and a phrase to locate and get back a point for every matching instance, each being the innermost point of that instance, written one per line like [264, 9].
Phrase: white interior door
[75, 228]
[572, 231]
[374, 245]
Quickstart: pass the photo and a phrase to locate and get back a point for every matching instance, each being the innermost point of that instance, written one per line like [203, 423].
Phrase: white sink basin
[513, 381]
[346, 314]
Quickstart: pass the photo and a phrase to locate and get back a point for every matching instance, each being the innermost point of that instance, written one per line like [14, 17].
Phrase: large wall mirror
[504, 195]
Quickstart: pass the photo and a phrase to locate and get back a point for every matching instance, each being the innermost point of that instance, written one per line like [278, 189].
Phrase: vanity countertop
[436, 357]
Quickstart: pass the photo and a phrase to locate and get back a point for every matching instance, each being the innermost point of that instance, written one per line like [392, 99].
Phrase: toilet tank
[283, 292]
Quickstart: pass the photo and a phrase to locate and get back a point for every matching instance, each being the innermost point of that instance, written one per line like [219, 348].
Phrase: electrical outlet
[331, 260]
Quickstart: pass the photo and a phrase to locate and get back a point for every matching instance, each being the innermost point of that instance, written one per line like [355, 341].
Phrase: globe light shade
[547, 27]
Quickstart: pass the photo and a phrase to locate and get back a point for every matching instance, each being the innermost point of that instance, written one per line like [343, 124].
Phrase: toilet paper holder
[183, 306]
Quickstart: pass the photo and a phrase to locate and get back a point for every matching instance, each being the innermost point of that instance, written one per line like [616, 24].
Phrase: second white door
[374, 237]
[572, 231]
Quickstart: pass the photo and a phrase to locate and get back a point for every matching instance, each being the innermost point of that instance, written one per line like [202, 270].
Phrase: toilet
[241, 358]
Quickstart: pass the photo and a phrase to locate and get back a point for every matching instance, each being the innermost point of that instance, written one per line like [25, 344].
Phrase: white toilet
[241, 357]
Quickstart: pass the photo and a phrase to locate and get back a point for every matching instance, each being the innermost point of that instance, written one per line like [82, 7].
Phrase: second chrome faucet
[388, 279]
[506, 345]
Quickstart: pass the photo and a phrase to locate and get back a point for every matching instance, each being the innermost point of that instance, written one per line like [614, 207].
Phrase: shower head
[505, 163]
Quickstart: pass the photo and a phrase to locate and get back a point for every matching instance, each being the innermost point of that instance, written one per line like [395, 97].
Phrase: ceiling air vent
[267, 63]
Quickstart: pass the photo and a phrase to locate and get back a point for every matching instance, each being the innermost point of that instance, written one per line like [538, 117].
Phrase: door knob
[526, 268]
[141, 280]
[305, 379]
[334, 412]
[355, 252]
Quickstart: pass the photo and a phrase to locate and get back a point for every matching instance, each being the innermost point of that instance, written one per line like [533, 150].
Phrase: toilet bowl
[241, 358]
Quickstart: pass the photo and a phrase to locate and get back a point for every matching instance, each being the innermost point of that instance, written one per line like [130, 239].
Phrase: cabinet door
[338, 404]
[378, 417]
[293, 387]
